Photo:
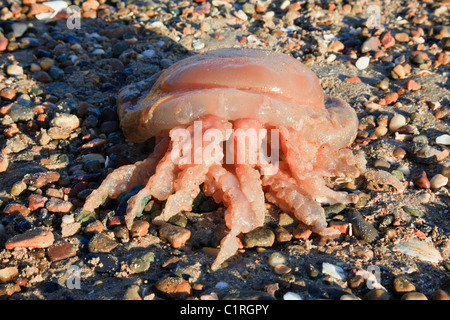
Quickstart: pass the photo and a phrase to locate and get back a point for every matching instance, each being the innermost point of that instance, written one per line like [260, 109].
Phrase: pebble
[40, 179]
[371, 44]
[174, 287]
[58, 205]
[421, 180]
[61, 250]
[14, 70]
[66, 121]
[401, 37]
[291, 296]
[412, 85]
[132, 293]
[424, 153]
[13, 208]
[362, 63]
[18, 187]
[19, 112]
[390, 98]
[103, 263]
[3, 162]
[3, 43]
[440, 295]
[387, 40]
[8, 274]
[396, 122]
[403, 285]
[378, 294]
[43, 77]
[8, 94]
[414, 296]
[100, 242]
[336, 46]
[438, 181]
[276, 258]
[142, 263]
[94, 227]
[175, 235]
[139, 228]
[33, 238]
[260, 237]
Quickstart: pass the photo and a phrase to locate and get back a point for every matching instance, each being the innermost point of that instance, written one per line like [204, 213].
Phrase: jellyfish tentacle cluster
[205, 106]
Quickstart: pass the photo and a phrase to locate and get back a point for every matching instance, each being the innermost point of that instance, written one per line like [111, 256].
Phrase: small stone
[341, 226]
[139, 228]
[390, 98]
[58, 205]
[36, 201]
[13, 208]
[18, 188]
[46, 63]
[353, 80]
[421, 180]
[424, 153]
[401, 37]
[132, 293]
[387, 40]
[70, 229]
[21, 113]
[414, 296]
[281, 269]
[260, 237]
[8, 274]
[43, 77]
[142, 264]
[440, 295]
[396, 122]
[174, 287]
[3, 43]
[61, 250]
[94, 227]
[103, 263]
[438, 181]
[362, 63]
[403, 285]
[56, 73]
[40, 179]
[33, 238]
[378, 294]
[66, 121]
[276, 258]
[100, 242]
[412, 85]
[177, 236]
[371, 44]
[399, 71]
[3, 162]
[413, 212]
[336, 46]
[8, 94]
[14, 70]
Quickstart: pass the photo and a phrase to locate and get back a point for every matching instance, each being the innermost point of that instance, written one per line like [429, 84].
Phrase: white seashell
[443, 139]
[57, 6]
[419, 249]
[333, 271]
[362, 63]
[291, 296]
